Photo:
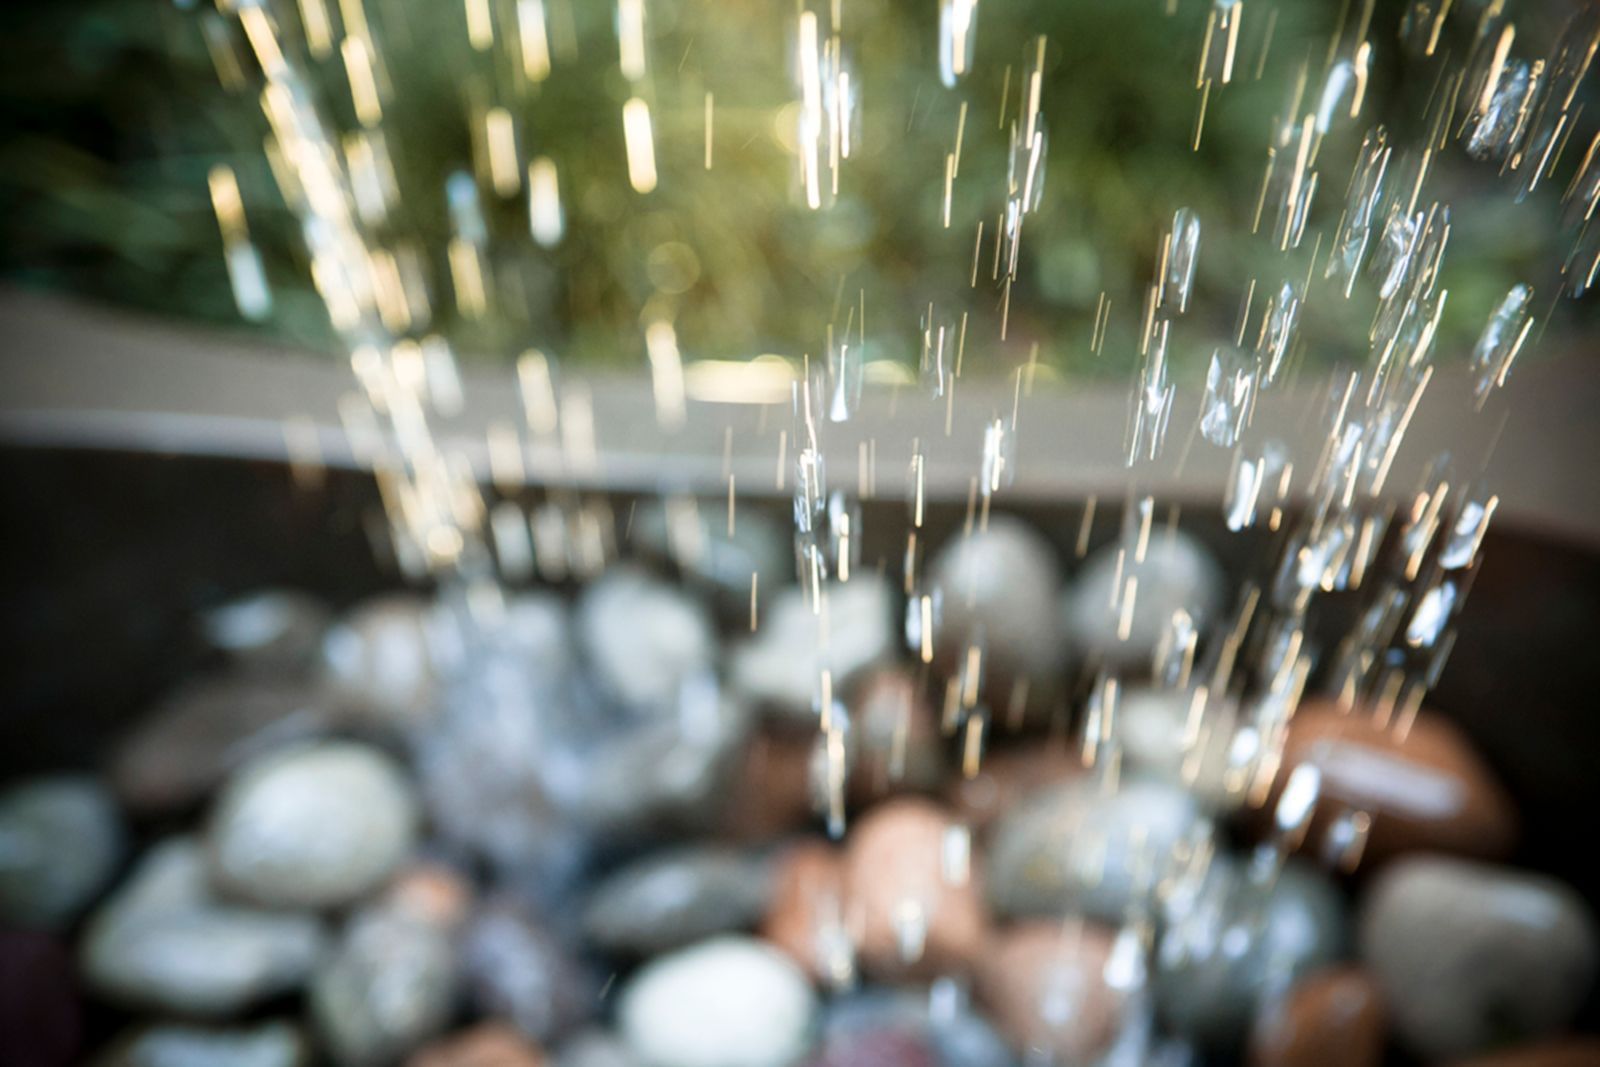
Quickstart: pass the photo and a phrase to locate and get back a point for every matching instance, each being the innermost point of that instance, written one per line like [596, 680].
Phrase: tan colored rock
[915, 908]
[1044, 984]
[806, 915]
[1573, 1052]
[1424, 791]
[485, 1045]
[1007, 775]
[1331, 1018]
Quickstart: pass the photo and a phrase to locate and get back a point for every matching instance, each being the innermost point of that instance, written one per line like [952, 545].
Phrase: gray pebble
[999, 588]
[60, 840]
[1076, 848]
[595, 1048]
[382, 661]
[515, 969]
[675, 898]
[1469, 954]
[1240, 939]
[164, 942]
[270, 630]
[1176, 574]
[270, 1044]
[314, 826]
[388, 986]
[644, 638]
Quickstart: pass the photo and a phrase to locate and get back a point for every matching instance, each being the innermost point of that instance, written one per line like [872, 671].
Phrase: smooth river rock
[894, 741]
[1080, 849]
[269, 1044]
[806, 915]
[675, 898]
[1244, 936]
[644, 638]
[60, 840]
[1176, 574]
[915, 905]
[165, 943]
[1333, 1017]
[484, 1045]
[195, 737]
[1428, 791]
[518, 970]
[778, 668]
[381, 660]
[1009, 776]
[1045, 984]
[727, 1002]
[999, 588]
[312, 827]
[269, 631]
[1471, 955]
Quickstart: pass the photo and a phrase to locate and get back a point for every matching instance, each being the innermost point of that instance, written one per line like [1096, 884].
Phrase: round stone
[675, 898]
[1078, 848]
[197, 736]
[269, 1044]
[1010, 776]
[998, 588]
[1152, 729]
[644, 638]
[1471, 955]
[1424, 789]
[770, 793]
[1176, 575]
[1045, 985]
[516, 969]
[60, 840]
[1330, 1018]
[380, 661]
[895, 744]
[914, 905]
[779, 668]
[1242, 935]
[728, 1002]
[163, 942]
[313, 827]
[269, 630]
[806, 917]
[388, 986]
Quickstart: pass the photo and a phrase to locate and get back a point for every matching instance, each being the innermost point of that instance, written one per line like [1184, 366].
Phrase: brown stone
[914, 905]
[1424, 791]
[1330, 1018]
[1572, 1052]
[806, 915]
[771, 791]
[432, 892]
[1006, 775]
[895, 738]
[1044, 984]
[485, 1045]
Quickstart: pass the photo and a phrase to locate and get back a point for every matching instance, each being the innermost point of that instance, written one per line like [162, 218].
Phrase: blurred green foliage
[114, 115]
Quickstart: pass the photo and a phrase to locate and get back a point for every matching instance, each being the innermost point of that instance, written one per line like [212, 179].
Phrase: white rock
[60, 838]
[313, 826]
[728, 1002]
[644, 638]
[779, 667]
[1152, 727]
[1176, 574]
[380, 659]
[1000, 587]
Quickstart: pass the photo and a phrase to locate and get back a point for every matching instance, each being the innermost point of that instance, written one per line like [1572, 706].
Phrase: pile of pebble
[495, 830]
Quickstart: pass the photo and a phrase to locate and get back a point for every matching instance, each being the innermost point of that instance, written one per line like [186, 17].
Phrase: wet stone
[1471, 956]
[999, 588]
[806, 916]
[595, 1048]
[272, 630]
[727, 1002]
[517, 970]
[163, 942]
[388, 985]
[644, 638]
[381, 661]
[889, 1046]
[1242, 936]
[675, 898]
[270, 1044]
[694, 535]
[1078, 848]
[189, 743]
[1425, 791]
[914, 905]
[485, 1045]
[1008, 777]
[1176, 574]
[1330, 1018]
[314, 826]
[60, 840]
[1044, 984]
[779, 667]
[770, 790]
[895, 744]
